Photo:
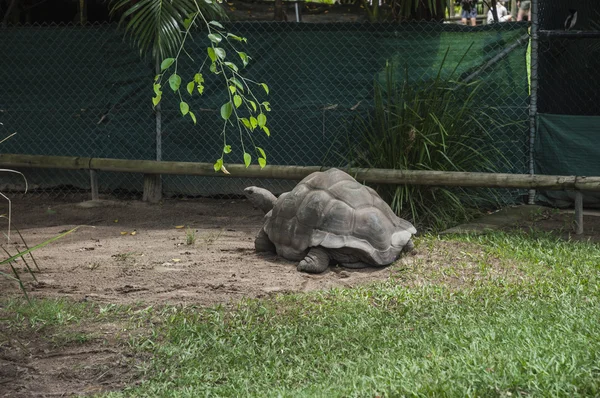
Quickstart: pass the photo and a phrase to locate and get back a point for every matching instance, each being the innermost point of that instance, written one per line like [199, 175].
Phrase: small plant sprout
[190, 236]
[212, 237]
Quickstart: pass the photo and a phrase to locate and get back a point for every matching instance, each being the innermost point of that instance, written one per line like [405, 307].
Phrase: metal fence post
[533, 67]
[153, 182]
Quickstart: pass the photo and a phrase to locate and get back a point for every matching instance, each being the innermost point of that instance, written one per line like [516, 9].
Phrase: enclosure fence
[84, 91]
[568, 94]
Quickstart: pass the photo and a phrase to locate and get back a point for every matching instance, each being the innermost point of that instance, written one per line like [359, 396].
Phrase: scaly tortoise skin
[331, 218]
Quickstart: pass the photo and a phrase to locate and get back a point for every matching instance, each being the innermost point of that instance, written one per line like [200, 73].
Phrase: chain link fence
[83, 91]
[568, 94]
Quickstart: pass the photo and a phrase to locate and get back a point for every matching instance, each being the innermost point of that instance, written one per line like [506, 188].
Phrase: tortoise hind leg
[315, 262]
[262, 243]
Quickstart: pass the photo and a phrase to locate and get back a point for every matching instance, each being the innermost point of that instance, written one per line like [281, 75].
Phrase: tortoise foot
[315, 262]
[262, 243]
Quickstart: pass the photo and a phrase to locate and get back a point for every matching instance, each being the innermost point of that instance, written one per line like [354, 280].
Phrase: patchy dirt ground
[129, 252]
[194, 251]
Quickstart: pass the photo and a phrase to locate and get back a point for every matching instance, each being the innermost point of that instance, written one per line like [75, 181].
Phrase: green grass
[532, 335]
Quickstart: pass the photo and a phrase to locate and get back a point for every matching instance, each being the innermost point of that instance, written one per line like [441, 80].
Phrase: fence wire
[83, 91]
[568, 114]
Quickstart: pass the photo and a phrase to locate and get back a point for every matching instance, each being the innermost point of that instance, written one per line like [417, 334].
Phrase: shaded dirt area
[77, 361]
[194, 251]
[131, 252]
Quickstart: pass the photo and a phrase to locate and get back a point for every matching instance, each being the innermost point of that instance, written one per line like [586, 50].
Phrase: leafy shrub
[435, 125]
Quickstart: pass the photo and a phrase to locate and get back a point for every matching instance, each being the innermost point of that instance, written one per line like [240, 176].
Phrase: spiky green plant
[14, 275]
[432, 125]
[11, 259]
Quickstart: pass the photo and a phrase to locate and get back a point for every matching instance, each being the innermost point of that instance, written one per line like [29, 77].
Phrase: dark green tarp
[83, 91]
[568, 145]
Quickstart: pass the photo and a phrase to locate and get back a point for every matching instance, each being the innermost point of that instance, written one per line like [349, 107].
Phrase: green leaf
[265, 87]
[213, 68]
[156, 100]
[166, 63]
[219, 52]
[235, 37]
[200, 88]
[190, 87]
[262, 152]
[231, 66]
[232, 89]
[237, 100]
[262, 162]
[193, 117]
[218, 164]
[227, 149]
[245, 58]
[262, 120]
[253, 105]
[187, 22]
[184, 108]
[237, 83]
[174, 81]
[198, 78]
[226, 110]
[215, 38]
[211, 54]
[156, 88]
[217, 24]
[246, 123]
[267, 106]
[247, 159]
[267, 131]
[253, 122]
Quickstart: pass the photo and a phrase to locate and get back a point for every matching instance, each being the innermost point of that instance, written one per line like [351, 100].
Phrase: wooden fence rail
[151, 168]
[380, 176]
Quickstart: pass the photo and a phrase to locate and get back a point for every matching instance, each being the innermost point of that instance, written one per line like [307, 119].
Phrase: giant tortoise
[330, 218]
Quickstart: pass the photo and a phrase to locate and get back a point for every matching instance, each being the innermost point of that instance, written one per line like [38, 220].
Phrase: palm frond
[157, 26]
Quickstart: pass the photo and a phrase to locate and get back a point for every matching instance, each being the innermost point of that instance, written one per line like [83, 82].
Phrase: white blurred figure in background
[503, 15]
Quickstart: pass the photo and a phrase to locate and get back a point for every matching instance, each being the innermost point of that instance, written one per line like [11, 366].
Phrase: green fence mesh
[568, 95]
[83, 91]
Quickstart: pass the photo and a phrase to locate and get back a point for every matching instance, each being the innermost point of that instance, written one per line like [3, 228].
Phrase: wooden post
[94, 185]
[578, 213]
[152, 188]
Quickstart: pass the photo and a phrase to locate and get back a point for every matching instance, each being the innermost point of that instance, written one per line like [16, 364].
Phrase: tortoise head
[261, 198]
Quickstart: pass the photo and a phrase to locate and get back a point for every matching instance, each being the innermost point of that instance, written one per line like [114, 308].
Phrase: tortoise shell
[332, 210]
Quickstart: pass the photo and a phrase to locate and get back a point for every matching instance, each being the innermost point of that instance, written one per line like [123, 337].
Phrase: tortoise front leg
[262, 243]
[315, 262]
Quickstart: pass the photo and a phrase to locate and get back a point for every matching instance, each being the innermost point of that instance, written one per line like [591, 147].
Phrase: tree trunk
[424, 13]
[279, 12]
[9, 12]
[494, 11]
